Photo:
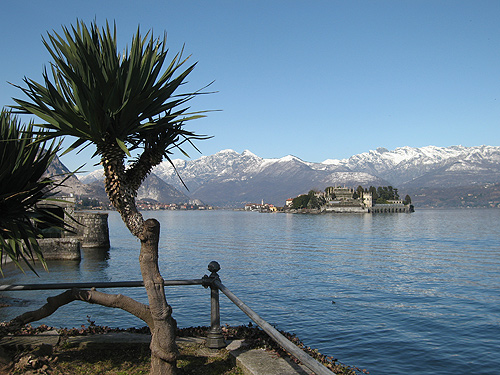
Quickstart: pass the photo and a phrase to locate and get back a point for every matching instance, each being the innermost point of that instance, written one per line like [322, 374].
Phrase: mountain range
[92, 186]
[456, 176]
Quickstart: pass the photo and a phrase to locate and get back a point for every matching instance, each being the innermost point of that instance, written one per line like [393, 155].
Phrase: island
[337, 199]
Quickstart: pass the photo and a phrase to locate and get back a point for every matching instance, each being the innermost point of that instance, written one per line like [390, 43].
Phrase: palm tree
[123, 103]
[23, 162]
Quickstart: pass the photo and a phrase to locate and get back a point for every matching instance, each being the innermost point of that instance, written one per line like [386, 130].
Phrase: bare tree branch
[120, 301]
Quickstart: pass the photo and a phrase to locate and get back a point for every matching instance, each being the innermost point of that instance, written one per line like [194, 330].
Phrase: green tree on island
[385, 194]
[315, 202]
[301, 201]
[407, 199]
[373, 191]
[360, 191]
[123, 103]
[309, 200]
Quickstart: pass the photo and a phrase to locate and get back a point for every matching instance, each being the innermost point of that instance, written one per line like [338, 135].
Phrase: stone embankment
[91, 231]
[250, 361]
[61, 248]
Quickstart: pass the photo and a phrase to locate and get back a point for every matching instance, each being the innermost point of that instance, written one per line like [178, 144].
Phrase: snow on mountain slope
[230, 178]
[398, 166]
[97, 175]
[404, 164]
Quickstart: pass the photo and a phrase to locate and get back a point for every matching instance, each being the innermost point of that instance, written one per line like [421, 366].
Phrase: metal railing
[215, 339]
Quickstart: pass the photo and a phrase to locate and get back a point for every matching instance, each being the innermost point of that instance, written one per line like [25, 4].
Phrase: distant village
[384, 199]
[144, 205]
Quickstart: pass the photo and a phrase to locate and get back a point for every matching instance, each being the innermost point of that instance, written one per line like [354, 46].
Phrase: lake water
[393, 293]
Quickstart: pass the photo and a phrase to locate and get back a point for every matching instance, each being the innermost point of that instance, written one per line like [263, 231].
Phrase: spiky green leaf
[24, 158]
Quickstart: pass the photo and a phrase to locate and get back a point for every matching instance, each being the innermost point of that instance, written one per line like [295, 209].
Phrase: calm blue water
[395, 294]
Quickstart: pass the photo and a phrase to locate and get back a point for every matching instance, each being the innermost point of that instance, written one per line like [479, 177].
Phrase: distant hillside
[472, 196]
[157, 189]
[231, 179]
[72, 185]
[153, 188]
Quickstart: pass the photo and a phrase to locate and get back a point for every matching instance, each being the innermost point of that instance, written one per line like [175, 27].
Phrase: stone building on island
[349, 200]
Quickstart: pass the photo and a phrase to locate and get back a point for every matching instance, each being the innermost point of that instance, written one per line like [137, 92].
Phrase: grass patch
[131, 359]
[105, 359]
[96, 359]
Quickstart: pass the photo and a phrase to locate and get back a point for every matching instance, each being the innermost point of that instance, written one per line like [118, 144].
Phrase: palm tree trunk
[164, 350]
[122, 191]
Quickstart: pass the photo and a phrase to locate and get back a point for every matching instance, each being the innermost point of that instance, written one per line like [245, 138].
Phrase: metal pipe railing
[103, 284]
[215, 339]
[286, 344]
[214, 282]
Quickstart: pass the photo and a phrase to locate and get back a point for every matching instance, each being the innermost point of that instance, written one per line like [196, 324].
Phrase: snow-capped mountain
[92, 185]
[429, 166]
[97, 175]
[60, 173]
[229, 178]
[152, 188]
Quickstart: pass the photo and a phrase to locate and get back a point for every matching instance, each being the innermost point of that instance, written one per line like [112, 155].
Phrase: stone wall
[60, 248]
[92, 229]
[346, 209]
[390, 208]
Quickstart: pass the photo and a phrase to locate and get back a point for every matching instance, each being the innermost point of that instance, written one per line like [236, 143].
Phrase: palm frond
[120, 102]
[24, 159]
[96, 94]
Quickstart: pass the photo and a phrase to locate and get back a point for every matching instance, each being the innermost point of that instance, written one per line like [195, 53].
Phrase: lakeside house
[261, 207]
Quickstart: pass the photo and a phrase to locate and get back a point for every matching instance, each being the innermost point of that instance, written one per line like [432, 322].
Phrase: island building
[343, 199]
[348, 200]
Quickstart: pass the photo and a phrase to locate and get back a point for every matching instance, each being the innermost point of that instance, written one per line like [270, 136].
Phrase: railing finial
[214, 267]
[215, 340]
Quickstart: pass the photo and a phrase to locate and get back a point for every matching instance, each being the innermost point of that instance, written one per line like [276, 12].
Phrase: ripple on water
[413, 294]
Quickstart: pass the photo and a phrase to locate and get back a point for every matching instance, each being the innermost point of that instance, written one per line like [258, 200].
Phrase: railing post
[215, 340]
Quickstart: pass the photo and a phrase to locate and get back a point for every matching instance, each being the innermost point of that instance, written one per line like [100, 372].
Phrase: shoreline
[251, 347]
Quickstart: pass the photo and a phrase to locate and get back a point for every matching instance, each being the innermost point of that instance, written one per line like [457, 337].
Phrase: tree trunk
[121, 186]
[158, 315]
[164, 350]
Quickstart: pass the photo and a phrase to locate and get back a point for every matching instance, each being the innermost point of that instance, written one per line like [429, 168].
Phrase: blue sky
[317, 79]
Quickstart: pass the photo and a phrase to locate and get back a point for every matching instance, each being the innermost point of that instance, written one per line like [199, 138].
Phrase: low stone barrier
[92, 229]
[60, 248]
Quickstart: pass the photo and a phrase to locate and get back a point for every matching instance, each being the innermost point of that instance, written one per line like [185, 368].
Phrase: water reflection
[95, 254]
